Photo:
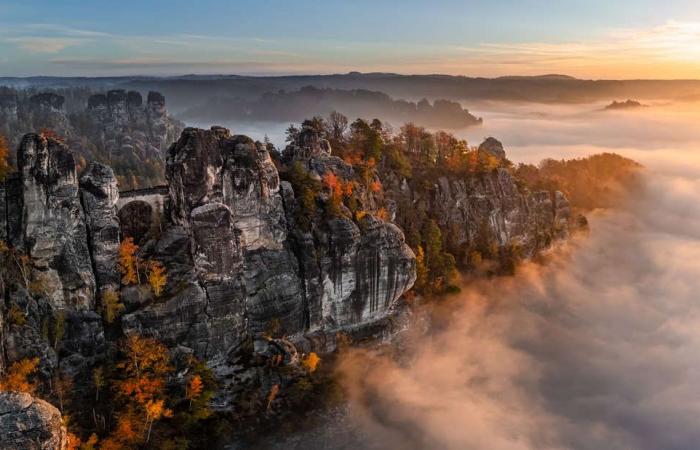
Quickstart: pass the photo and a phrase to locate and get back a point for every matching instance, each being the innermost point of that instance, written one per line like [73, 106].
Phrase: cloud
[44, 45]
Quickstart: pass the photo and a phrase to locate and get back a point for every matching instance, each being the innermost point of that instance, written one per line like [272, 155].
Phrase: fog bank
[598, 348]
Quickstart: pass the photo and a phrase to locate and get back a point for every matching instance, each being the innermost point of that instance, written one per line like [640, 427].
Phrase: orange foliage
[128, 261]
[376, 186]
[352, 158]
[17, 376]
[4, 153]
[145, 368]
[272, 395]
[334, 183]
[50, 134]
[310, 362]
[383, 214]
[194, 388]
[157, 277]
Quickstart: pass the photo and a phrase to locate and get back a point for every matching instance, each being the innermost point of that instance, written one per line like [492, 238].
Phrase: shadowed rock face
[53, 228]
[250, 264]
[27, 423]
[99, 195]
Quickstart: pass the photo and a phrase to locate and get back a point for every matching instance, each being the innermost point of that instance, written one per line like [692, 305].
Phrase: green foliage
[435, 267]
[306, 190]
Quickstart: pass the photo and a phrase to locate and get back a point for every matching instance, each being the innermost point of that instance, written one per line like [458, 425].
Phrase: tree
[335, 185]
[98, 381]
[128, 261]
[62, 388]
[112, 307]
[144, 368]
[157, 277]
[4, 155]
[338, 125]
[194, 388]
[17, 377]
[310, 362]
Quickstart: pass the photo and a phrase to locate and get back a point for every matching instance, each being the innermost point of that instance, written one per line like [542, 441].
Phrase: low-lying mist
[596, 349]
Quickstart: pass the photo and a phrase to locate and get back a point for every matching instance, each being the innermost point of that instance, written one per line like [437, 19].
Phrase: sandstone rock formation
[116, 127]
[239, 262]
[53, 229]
[27, 423]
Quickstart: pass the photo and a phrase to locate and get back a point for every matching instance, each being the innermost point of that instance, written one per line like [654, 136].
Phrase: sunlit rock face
[250, 263]
[225, 189]
[29, 423]
[487, 210]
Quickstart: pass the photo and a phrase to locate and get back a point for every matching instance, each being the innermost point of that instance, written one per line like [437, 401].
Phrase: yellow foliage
[111, 306]
[16, 316]
[310, 362]
[128, 261]
[421, 269]
[17, 376]
[157, 277]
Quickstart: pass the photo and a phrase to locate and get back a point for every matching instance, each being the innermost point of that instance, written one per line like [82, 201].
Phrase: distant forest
[294, 106]
[184, 92]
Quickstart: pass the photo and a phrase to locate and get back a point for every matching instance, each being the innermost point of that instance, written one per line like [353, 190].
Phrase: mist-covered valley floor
[595, 349]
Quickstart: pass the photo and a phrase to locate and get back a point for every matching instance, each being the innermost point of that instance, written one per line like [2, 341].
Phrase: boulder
[27, 423]
[493, 147]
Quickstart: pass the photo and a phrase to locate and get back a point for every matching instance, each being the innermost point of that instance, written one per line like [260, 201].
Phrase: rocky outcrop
[27, 423]
[53, 231]
[117, 127]
[486, 213]
[493, 147]
[127, 126]
[250, 265]
[99, 195]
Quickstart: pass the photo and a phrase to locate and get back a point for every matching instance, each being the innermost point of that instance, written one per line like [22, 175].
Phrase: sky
[584, 38]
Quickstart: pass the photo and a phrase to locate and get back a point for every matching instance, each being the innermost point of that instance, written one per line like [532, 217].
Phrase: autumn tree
[17, 378]
[310, 362]
[335, 185]
[157, 277]
[112, 307]
[4, 155]
[144, 369]
[128, 261]
[50, 134]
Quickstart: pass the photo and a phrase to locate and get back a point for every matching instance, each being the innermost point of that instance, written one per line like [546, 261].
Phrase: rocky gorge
[262, 270]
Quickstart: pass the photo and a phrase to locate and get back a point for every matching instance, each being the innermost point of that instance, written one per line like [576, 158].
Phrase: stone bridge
[142, 212]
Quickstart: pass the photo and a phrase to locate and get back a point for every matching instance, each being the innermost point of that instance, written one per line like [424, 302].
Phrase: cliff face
[486, 213]
[226, 233]
[123, 124]
[239, 260]
[30, 424]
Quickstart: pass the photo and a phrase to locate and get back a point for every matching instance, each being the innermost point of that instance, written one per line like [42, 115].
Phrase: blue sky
[594, 38]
